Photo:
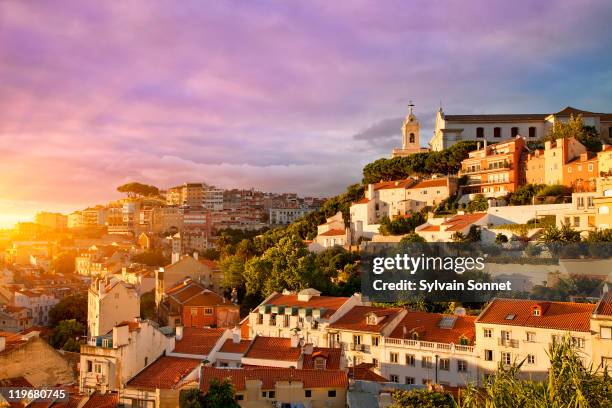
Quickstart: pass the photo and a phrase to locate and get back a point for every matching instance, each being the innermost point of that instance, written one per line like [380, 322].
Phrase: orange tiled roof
[273, 348]
[364, 200]
[604, 306]
[330, 303]
[439, 182]
[97, 400]
[355, 319]
[192, 293]
[15, 382]
[165, 373]
[12, 340]
[364, 372]
[404, 183]
[459, 222]
[331, 355]
[211, 264]
[270, 376]
[197, 341]
[554, 315]
[427, 326]
[230, 347]
[430, 228]
[333, 232]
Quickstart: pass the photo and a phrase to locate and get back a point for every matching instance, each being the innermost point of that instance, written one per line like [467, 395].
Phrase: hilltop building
[411, 136]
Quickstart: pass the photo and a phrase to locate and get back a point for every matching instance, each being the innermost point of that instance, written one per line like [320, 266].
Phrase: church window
[412, 138]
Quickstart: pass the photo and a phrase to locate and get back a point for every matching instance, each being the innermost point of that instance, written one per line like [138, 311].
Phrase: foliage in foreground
[421, 398]
[220, 395]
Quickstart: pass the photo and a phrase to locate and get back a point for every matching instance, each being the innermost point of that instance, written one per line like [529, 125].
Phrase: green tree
[69, 308]
[479, 203]
[65, 335]
[220, 395]
[136, 189]
[422, 398]
[574, 127]
[401, 225]
[524, 194]
[191, 398]
[501, 239]
[151, 258]
[412, 238]
[147, 305]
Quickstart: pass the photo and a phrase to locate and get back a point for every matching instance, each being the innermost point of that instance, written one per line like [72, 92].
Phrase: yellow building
[605, 160]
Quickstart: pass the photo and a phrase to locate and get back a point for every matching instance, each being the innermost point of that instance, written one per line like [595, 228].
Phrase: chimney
[307, 349]
[236, 335]
[370, 194]
[195, 255]
[100, 287]
[2, 343]
[295, 340]
[179, 332]
[121, 335]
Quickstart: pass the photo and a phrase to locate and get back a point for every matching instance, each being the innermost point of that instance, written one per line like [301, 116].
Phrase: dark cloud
[383, 129]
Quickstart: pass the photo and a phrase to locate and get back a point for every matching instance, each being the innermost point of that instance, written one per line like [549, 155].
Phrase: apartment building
[580, 173]
[39, 302]
[265, 387]
[581, 215]
[54, 221]
[15, 318]
[287, 215]
[110, 359]
[495, 170]
[306, 311]
[94, 216]
[109, 302]
[513, 330]
[333, 232]
[426, 348]
[361, 331]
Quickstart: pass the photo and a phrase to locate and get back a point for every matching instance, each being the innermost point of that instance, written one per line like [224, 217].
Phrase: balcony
[430, 345]
[508, 342]
[360, 347]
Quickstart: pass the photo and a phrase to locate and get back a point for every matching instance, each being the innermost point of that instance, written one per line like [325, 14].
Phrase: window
[394, 357]
[208, 311]
[488, 355]
[426, 362]
[194, 311]
[409, 380]
[146, 361]
[536, 311]
[488, 332]
[271, 394]
[307, 393]
[514, 132]
[260, 319]
[239, 397]
[375, 340]
[357, 339]
[426, 381]
[506, 358]
[444, 364]
[480, 132]
[531, 336]
[394, 378]
[412, 138]
[462, 366]
[532, 131]
[496, 132]
[331, 393]
[375, 362]
[591, 167]
[605, 332]
[578, 342]
[89, 366]
[530, 359]
[319, 364]
[410, 359]
[505, 335]
[98, 368]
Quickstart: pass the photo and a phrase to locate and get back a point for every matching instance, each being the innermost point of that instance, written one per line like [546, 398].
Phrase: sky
[283, 96]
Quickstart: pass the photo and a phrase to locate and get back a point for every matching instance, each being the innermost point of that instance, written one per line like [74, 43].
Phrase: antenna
[410, 106]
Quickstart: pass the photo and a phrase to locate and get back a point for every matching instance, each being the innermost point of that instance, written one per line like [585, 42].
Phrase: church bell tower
[411, 131]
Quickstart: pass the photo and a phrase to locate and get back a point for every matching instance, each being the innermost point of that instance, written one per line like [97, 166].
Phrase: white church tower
[411, 136]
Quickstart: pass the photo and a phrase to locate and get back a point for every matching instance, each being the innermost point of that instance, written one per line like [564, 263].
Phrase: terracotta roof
[165, 373]
[333, 232]
[332, 358]
[355, 319]
[427, 326]
[384, 185]
[132, 325]
[230, 347]
[430, 228]
[192, 293]
[496, 117]
[197, 341]
[554, 315]
[568, 110]
[459, 222]
[362, 201]
[604, 306]
[211, 264]
[364, 372]
[15, 382]
[97, 400]
[330, 303]
[13, 340]
[439, 182]
[273, 348]
[270, 376]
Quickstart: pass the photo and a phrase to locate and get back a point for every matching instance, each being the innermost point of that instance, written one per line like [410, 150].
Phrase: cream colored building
[411, 136]
[203, 271]
[513, 330]
[109, 302]
[305, 312]
[451, 129]
[332, 233]
[581, 216]
[444, 229]
[601, 328]
[108, 361]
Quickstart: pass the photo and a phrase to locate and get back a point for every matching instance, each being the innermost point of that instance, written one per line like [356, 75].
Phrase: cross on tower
[410, 106]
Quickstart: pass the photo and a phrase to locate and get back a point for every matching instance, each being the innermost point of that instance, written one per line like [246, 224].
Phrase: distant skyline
[275, 95]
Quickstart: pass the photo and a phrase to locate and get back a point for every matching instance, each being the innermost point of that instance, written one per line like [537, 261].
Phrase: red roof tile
[332, 358]
[197, 341]
[15, 382]
[554, 315]
[230, 347]
[430, 228]
[459, 222]
[439, 182]
[362, 201]
[273, 348]
[604, 307]
[333, 232]
[270, 376]
[97, 400]
[364, 372]
[427, 326]
[355, 319]
[404, 183]
[165, 373]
